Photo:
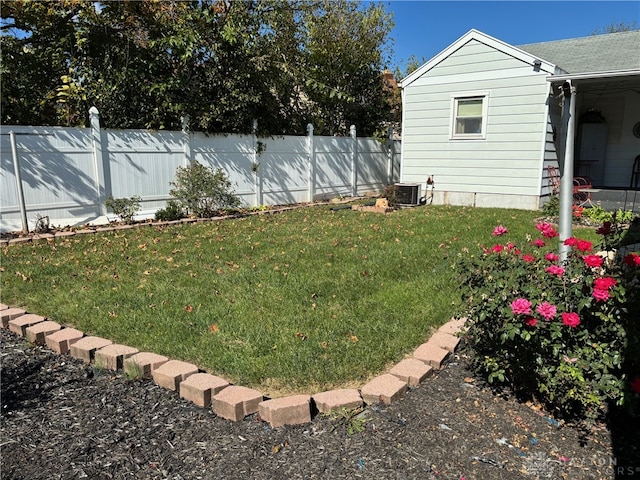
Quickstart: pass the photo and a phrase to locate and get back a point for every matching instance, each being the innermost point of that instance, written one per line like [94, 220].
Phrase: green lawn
[298, 301]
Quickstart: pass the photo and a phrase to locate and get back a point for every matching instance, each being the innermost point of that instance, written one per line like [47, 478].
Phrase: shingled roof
[596, 53]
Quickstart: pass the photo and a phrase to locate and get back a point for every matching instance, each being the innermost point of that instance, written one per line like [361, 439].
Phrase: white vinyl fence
[67, 173]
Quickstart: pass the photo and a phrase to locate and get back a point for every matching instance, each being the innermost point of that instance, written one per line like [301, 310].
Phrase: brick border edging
[228, 401]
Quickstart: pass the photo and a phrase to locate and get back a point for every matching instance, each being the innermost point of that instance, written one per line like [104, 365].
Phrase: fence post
[255, 165]
[312, 162]
[186, 141]
[390, 155]
[98, 160]
[18, 174]
[354, 161]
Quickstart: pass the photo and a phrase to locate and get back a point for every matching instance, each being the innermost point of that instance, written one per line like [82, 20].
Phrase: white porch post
[566, 170]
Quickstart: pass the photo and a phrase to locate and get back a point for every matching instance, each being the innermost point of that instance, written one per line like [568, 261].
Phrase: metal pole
[16, 169]
[566, 180]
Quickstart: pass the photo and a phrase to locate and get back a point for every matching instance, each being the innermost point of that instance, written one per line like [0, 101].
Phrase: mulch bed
[62, 419]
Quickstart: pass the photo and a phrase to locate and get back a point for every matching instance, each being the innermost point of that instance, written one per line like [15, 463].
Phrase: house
[484, 119]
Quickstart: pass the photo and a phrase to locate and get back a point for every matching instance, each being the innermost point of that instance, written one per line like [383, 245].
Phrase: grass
[299, 301]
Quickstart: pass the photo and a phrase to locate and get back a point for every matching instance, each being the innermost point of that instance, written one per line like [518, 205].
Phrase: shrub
[390, 192]
[173, 211]
[123, 208]
[600, 215]
[203, 191]
[552, 207]
[550, 330]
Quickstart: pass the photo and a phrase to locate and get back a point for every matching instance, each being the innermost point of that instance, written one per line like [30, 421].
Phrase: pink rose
[538, 242]
[552, 257]
[571, 242]
[528, 258]
[530, 321]
[555, 270]
[571, 319]
[635, 385]
[600, 294]
[546, 310]
[547, 230]
[497, 248]
[632, 259]
[593, 260]
[584, 245]
[604, 283]
[499, 230]
[521, 306]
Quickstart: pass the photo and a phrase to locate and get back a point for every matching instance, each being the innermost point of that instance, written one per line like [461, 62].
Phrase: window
[469, 116]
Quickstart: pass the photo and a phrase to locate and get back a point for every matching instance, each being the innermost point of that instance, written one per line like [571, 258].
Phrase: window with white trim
[469, 116]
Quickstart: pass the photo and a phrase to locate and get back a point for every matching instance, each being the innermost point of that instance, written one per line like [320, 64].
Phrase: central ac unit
[407, 193]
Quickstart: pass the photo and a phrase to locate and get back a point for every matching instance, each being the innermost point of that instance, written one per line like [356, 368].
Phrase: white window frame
[455, 98]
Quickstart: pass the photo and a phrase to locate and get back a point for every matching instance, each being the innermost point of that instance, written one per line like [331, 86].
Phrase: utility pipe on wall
[16, 169]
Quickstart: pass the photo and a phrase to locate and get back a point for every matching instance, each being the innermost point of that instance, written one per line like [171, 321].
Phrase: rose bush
[562, 333]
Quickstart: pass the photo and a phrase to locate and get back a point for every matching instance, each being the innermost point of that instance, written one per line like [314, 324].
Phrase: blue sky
[425, 28]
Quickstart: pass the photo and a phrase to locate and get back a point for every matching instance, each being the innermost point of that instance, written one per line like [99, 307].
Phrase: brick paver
[19, 324]
[86, 347]
[61, 341]
[431, 354]
[453, 326]
[236, 402]
[38, 332]
[334, 400]
[9, 314]
[412, 371]
[200, 388]
[143, 364]
[386, 388]
[444, 340]
[170, 374]
[112, 356]
[293, 410]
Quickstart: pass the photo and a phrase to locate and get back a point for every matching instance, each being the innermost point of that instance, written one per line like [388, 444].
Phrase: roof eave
[593, 75]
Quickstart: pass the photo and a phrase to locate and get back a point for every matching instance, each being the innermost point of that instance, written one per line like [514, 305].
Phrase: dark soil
[62, 419]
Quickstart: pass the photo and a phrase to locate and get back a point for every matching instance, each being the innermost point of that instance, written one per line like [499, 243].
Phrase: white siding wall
[504, 168]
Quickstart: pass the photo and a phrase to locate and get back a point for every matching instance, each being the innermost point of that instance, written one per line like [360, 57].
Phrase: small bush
[203, 191]
[124, 208]
[559, 332]
[173, 211]
[552, 207]
[600, 215]
[390, 192]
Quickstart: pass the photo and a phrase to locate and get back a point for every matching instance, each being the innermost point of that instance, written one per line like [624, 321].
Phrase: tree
[146, 64]
[616, 27]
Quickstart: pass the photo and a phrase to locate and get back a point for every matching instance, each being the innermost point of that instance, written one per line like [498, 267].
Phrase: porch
[614, 199]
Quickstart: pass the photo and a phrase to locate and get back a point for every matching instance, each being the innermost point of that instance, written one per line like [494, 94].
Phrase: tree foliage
[146, 64]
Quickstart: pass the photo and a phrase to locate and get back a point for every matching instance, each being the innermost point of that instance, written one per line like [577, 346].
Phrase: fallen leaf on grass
[213, 328]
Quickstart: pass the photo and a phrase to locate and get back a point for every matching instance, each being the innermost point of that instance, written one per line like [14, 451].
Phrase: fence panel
[58, 173]
[142, 163]
[67, 172]
[333, 166]
[234, 154]
[284, 171]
